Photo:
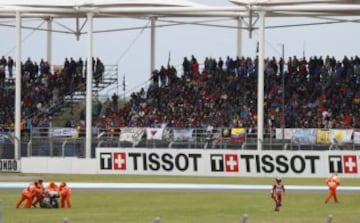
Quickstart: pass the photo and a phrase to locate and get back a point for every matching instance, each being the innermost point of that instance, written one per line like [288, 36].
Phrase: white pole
[89, 79]
[18, 87]
[152, 44]
[49, 41]
[260, 102]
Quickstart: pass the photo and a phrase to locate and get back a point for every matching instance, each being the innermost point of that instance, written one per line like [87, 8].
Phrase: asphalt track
[178, 187]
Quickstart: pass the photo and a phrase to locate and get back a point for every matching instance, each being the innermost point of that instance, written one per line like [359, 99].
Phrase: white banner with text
[247, 163]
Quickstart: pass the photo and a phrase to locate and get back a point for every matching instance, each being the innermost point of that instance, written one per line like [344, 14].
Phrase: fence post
[65, 220]
[329, 218]
[243, 218]
[156, 220]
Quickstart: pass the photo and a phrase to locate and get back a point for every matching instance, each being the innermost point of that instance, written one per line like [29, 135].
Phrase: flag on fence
[341, 136]
[357, 138]
[133, 135]
[238, 134]
[6, 137]
[323, 137]
[154, 133]
[303, 136]
[183, 134]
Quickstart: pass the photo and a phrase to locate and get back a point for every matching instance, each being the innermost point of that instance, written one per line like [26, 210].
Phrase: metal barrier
[42, 142]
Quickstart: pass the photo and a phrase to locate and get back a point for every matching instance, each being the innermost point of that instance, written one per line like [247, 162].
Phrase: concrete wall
[58, 165]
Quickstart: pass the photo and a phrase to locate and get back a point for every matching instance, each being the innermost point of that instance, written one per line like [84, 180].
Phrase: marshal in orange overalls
[333, 181]
[28, 195]
[65, 195]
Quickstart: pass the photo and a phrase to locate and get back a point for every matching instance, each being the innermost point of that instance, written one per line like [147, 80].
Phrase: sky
[130, 49]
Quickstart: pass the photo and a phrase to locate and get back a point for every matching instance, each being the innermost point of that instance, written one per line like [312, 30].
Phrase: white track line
[176, 186]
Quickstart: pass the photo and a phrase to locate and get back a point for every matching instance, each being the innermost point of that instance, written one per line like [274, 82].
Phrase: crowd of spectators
[42, 86]
[318, 93]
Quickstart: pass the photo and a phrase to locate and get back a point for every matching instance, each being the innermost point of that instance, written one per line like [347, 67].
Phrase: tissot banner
[200, 162]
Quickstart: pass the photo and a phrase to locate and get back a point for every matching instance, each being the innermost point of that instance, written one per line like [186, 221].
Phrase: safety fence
[61, 142]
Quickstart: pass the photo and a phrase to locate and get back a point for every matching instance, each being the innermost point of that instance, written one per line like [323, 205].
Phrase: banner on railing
[322, 137]
[357, 138]
[133, 135]
[6, 138]
[303, 136]
[154, 133]
[65, 132]
[341, 136]
[287, 133]
[318, 136]
[183, 134]
[238, 134]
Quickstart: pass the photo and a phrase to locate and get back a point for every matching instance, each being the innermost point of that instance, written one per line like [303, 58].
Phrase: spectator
[10, 65]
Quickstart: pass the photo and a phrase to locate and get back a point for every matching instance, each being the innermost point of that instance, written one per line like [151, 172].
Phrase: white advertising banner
[247, 163]
[9, 165]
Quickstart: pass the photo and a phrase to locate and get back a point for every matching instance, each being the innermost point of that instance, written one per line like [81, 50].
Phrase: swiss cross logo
[224, 162]
[343, 164]
[120, 161]
[350, 164]
[231, 163]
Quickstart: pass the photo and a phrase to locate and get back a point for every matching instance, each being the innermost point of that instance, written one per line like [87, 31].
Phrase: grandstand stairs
[109, 78]
[72, 102]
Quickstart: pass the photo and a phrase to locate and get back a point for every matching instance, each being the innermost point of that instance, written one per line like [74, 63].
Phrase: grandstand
[203, 105]
[314, 89]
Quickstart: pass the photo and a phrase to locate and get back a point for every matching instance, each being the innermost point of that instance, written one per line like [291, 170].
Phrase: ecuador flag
[238, 134]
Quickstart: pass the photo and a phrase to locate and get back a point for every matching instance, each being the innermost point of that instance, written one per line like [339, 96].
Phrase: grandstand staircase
[72, 102]
[109, 78]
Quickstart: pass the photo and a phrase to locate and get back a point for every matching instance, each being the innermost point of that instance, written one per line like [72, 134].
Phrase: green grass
[184, 207]
[168, 179]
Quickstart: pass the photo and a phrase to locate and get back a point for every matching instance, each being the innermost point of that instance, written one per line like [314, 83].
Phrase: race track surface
[177, 187]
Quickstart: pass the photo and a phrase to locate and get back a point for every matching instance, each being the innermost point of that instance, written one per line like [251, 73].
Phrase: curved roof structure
[291, 2]
[79, 8]
[176, 8]
[279, 8]
[155, 9]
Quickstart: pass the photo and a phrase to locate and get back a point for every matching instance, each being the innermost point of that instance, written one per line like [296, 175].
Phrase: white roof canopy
[157, 9]
[176, 8]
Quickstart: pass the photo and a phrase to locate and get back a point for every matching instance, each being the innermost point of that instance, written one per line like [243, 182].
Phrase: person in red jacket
[276, 193]
[333, 181]
[65, 195]
[26, 194]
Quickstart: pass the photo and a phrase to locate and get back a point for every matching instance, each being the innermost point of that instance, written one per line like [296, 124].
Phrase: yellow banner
[323, 137]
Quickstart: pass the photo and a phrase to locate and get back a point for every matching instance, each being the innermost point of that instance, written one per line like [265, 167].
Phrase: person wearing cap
[65, 195]
[278, 189]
